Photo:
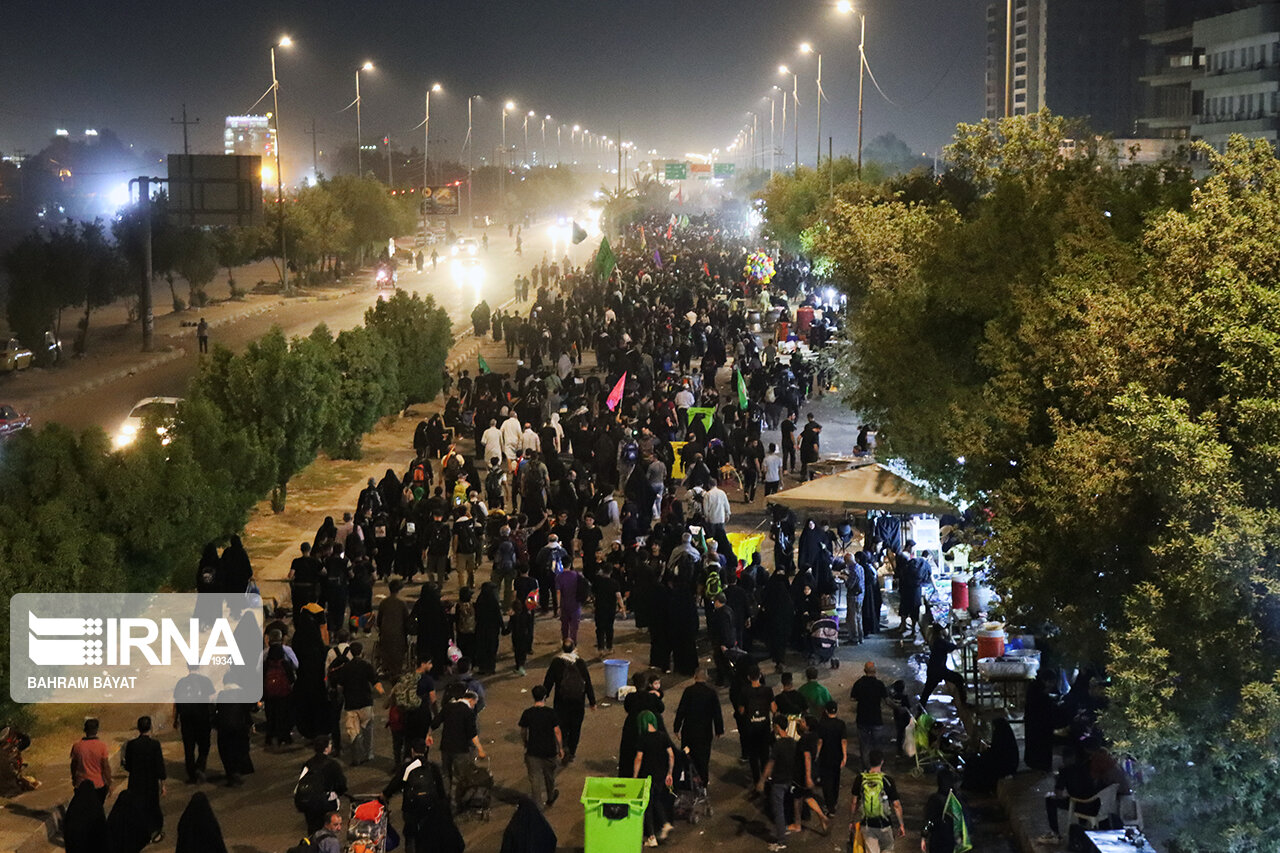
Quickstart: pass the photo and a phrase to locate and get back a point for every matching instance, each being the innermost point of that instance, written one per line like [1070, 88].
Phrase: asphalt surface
[101, 389]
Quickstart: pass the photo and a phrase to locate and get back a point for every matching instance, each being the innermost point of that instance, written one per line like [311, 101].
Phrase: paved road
[457, 290]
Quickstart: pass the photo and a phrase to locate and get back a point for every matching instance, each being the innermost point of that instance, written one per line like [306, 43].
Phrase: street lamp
[573, 138]
[426, 144]
[368, 66]
[545, 119]
[527, 116]
[795, 98]
[846, 7]
[471, 150]
[773, 109]
[284, 41]
[509, 106]
[806, 48]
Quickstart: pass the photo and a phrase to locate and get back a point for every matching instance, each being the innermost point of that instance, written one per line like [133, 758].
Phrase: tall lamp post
[426, 144]
[527, 116]
[285, 41]
[368, 66]
[795, 104]
[502, 160]
[545, 119]
[471, 159]
[808, 48]
[573, 139]
[773, 109]
[846, 7]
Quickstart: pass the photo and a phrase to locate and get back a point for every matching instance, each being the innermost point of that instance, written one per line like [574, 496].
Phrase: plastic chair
[1106, 800]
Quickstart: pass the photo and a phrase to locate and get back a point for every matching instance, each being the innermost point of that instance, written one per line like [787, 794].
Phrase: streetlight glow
[782, 69]
[805, 47]
[368, 66]
[510, 105]
[285, 41]
[436, 87]
[844, 7]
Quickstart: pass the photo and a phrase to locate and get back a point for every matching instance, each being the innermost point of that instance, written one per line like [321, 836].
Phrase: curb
[170, 354]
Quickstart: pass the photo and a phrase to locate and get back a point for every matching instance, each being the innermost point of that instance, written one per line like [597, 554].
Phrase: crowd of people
[601, 474]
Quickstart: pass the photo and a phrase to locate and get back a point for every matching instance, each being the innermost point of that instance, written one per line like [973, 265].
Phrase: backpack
[420, 474]
[309, 790]
[757, 711]
[875, 803]
[421, 788]
[504, 558]
[277, 678]
[466, 617]
[493, 485]
[713, 585]
[304, 845]
[531, 600]
[341, 659]
[571, 687]
[630, 452]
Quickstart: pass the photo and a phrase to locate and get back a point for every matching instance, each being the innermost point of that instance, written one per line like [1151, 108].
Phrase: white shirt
[529, 441]
[715, 506]
[511, 436]
[492, 441]
[684, 398]
[773, 468]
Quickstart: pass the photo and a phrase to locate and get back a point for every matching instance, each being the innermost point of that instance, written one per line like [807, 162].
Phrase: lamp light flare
[805, 47]
[782, 69]
[844, 7]
[368, 66]
[285, 41]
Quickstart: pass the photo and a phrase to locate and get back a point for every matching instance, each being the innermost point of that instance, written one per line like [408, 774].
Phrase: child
[901, 711]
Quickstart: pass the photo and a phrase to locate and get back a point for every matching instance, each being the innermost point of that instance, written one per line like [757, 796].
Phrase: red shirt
[91, 760]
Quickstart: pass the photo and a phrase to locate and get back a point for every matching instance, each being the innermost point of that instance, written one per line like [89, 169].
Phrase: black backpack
[341, 659]
[572, 687]
[309, 790]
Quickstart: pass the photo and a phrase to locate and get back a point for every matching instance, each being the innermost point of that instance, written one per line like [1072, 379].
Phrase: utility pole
[795, 95]
[146, 313]
[186, 149]
[386, 140]
[315, 150]
[818, 162]
[862, 71]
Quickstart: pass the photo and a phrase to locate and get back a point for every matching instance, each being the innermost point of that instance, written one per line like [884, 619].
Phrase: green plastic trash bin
[614, 814]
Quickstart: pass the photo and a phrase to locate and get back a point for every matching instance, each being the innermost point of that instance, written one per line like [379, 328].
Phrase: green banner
[677, 171]
[706, 414]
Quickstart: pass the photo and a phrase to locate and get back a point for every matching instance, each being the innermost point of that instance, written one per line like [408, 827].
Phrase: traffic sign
[677, 171]
[724, 170]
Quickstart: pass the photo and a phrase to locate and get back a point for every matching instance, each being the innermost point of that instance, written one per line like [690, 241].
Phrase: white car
[163, 410]
[465, 246]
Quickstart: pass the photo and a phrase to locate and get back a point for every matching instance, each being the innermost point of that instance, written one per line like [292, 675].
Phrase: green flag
[958, 826]
[605, 259]
[742, 391]
[484, 365]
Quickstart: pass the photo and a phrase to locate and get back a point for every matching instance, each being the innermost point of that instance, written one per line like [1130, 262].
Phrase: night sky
[678, 76]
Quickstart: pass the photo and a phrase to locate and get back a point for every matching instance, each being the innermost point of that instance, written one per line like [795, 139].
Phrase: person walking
[358, 680]
[523, 607]
[607, 595]
[569, 677]
[753, 724]
[193, 716]
[871, 695]
[202, 335]
[833, 754]
[459, 734]
[699, 721]
[143, 760]
[788, 428]
[320, 785]
[91, 761]
[279, 673]
[655, 758]
[572, 590]
[489, 628]
[876, 806]
[779, 773]
[422, 790]
[938, 669]
[724, 635]
[543, 746]
[393, 631]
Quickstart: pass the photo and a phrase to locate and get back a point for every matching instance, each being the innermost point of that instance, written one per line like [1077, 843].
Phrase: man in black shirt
[589, 538]
[437, 537]
[780, 771]
[143, 760]
[569, 677]
[790, 702]
[358, 680]
[305, 578]
[193, 714]
[833, 754]
[522, 617]
[319, 785]
[870, 694]
[724, 635]
[540, 729]
[608, 601]
[698, 721]
[423, 788]
[460, 733]
[753, 723]
[789, 442]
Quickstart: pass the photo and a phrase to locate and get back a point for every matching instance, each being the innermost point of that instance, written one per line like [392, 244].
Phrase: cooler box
[614, 814]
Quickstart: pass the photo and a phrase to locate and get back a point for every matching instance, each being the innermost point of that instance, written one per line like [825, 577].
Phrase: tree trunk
[82, 336]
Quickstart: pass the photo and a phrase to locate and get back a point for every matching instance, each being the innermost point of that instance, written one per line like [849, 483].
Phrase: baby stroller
[473, 789]
[367, 827]
[692, 802]
[932, 746]
[824, 633]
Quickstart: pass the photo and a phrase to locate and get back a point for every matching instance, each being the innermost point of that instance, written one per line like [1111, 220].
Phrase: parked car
[11, 420]
[162, 411]
[15, 356]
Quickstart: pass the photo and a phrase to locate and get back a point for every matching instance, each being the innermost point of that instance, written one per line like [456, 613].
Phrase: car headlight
[126, 436]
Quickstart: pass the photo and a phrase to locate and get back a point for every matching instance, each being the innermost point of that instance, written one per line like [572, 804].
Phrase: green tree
[196, 260]
[235, 247]
[417, 333]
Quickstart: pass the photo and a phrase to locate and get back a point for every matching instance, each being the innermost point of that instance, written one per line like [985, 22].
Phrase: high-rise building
[1237, 89]
[249, 135]
[1079, 58]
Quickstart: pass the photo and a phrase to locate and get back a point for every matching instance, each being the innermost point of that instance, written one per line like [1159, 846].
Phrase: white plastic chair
[1106, 800]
